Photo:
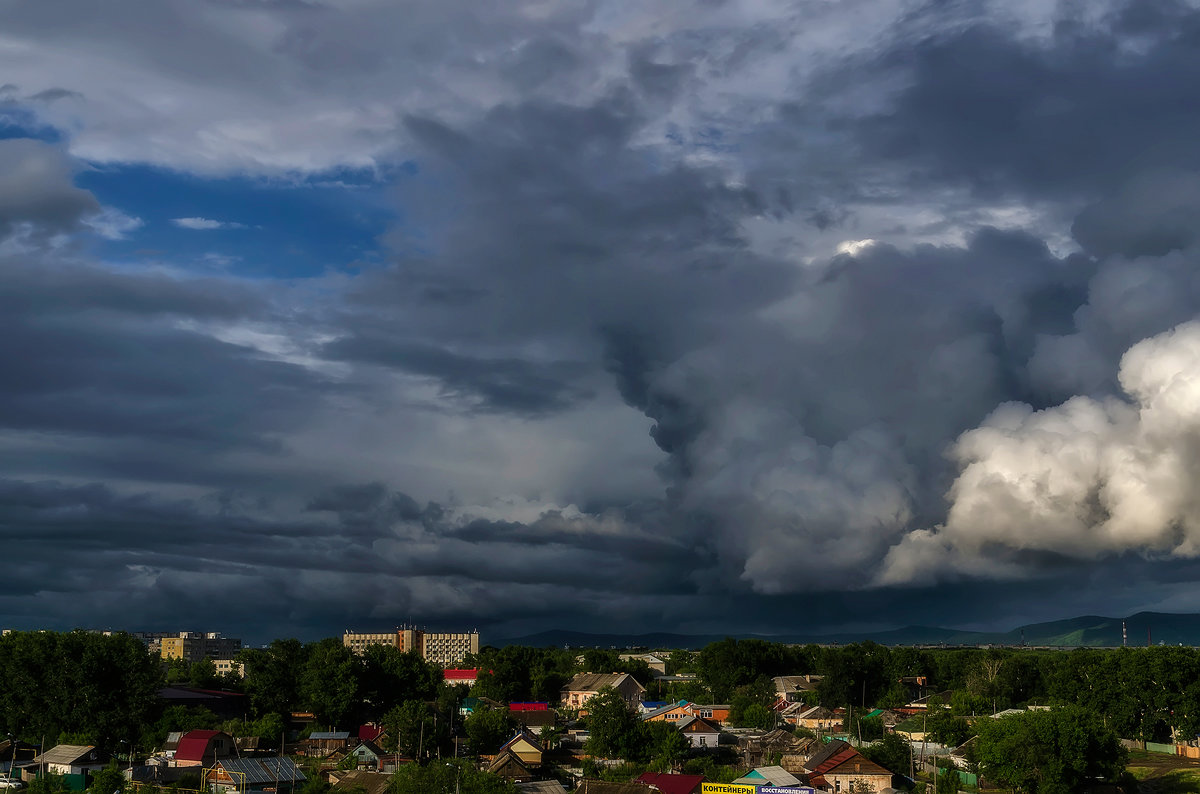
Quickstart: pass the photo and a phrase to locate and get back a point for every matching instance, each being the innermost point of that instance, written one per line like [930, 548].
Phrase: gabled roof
[541, 787]
[775, 775]
[829, 756]
[370, 747]
[263, 770]
[594, 682]
[658, 712]
[508, 760]
[588, 786]
[369, 733]
[525, 736]
[672, 784]
[857, 765]
[172, 740]
[194, 744]
[371, 782]
[694, 724]
[69, 755]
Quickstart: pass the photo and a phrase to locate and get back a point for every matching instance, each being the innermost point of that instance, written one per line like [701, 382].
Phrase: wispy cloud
[206, 224]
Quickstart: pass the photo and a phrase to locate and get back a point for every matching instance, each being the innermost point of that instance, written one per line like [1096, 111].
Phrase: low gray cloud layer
[694, 319]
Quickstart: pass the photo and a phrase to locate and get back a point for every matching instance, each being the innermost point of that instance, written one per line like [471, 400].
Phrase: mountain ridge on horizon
[1095, 631]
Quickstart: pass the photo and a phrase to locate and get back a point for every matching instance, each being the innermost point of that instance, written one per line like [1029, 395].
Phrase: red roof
[528, 706]
[193, 745]
[672, 784]
[369, 733]
[460, 675]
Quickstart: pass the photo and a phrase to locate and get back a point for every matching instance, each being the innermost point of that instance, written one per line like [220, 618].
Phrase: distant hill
[1087, 631]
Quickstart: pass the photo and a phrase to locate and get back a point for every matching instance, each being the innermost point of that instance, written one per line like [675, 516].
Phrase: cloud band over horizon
[688, 317]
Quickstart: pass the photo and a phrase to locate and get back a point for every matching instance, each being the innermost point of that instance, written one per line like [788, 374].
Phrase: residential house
[534, 716]
[669, 783]
[359, 780]
[241, 775]
[855, 774]
[368, 755]
[791, 750]
[654, 662]
[525, 745]
[818, 718]
[589, 786]
[68, 759]
[202, 748]
[541, 787]
[677, 712]
[508, 766]
[795, 688]
[172, 742]
[700, 733]
[321, 743]
[585, 686]
[768, 776]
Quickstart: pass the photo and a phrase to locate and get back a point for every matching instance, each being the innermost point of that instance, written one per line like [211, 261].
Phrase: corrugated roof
[672, 784]
[775, 775]
[263, 770]
[594, 682]
[69, 754]
[328, 735]
[194, 745]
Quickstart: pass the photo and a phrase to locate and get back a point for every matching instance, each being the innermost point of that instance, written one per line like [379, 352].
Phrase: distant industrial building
[443, 649]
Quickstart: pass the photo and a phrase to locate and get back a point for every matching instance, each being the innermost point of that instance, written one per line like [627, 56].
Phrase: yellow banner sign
[726, 788]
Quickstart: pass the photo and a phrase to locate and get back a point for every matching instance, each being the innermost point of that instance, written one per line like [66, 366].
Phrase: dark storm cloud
[506, 384]
[859, 432]
[1085, 110]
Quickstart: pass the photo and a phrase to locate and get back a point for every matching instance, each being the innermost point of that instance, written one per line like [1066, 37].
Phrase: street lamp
[457, 776]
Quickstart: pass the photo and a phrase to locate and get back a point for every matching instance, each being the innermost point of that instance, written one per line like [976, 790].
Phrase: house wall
[843, 783]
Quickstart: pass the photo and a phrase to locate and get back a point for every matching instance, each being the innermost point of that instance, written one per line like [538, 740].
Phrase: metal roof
[342, 735]
[69, 754]
[263, 770]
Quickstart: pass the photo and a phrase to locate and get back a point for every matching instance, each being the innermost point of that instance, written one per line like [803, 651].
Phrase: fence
[1184, 750]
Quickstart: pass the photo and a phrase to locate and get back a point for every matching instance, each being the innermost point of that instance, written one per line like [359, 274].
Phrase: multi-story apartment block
[229, 667]
[436, 648]
[193, 646]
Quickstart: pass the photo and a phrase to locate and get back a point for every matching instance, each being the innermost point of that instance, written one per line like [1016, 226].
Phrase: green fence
[1156, 747]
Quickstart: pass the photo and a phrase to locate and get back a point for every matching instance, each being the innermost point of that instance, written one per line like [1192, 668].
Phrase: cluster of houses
[544, 750]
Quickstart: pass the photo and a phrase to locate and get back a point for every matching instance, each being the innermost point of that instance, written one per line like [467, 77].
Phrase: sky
[702, 316]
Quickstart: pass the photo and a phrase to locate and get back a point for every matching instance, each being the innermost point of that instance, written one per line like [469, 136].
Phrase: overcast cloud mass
[724, 315]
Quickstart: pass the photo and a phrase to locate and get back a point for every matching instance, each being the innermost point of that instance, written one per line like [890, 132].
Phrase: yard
[1158, 773]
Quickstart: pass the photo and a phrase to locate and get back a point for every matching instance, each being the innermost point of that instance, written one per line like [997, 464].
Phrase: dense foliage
[84, 684]
[1054, 751]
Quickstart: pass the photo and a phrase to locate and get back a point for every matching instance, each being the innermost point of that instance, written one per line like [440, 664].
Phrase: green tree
[665, 745]
[203, 674]
[488, 729]
[947, 781]
[446, 777]
[893, 753]
[108, 780]
[409, 728]
[612, 728]
[103, 687]
[390, 677]
[273, 676]
[1048, 752]
[330, 682]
